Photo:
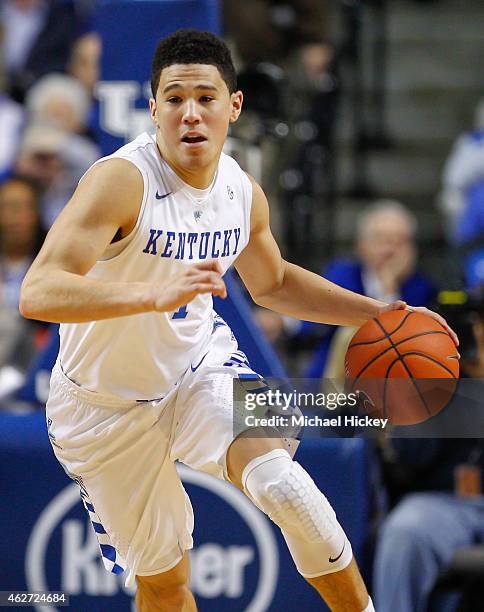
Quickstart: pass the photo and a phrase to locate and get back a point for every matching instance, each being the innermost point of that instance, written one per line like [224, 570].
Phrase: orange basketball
[404, 365]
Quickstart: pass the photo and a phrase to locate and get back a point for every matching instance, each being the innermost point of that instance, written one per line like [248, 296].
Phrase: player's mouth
[193, 141]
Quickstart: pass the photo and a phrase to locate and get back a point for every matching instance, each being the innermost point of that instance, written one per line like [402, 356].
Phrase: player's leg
[281, 488]
[166, 592]
[119, 456]
[204, 440]
[343, 590]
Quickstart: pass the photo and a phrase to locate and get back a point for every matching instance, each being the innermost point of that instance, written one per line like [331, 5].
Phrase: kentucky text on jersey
[193, 245]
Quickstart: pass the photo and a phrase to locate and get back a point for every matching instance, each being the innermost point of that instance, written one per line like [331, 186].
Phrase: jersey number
[181, 313]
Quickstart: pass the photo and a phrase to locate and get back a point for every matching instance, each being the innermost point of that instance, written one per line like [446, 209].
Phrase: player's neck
[200, 178]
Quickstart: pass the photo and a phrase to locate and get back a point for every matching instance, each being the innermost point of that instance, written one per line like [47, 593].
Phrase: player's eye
[174, 99]
[206, 98]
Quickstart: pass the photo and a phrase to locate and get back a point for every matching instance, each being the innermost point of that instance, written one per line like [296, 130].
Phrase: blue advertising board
[239, 562]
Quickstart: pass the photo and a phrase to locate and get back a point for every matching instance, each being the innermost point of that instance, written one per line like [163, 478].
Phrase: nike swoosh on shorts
[194, 369]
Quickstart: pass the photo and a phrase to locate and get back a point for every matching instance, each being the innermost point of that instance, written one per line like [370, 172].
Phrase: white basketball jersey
[141, 356]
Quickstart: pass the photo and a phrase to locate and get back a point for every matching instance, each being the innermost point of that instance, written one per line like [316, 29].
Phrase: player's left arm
[286, 288]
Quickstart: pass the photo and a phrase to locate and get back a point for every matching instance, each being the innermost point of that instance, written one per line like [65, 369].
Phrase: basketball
[404, 365]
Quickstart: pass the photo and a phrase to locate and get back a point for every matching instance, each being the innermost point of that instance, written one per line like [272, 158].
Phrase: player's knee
[283, 490]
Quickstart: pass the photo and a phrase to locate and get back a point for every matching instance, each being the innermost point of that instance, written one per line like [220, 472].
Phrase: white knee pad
[284, 491]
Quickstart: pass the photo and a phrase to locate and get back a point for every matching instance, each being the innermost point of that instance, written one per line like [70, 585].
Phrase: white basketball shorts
[122, 454]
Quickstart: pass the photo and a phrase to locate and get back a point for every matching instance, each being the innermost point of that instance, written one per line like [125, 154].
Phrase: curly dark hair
[188, 46]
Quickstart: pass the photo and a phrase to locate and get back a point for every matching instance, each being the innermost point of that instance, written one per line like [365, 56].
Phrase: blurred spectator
[57, 160]
[306, 171]
[11, 122]
[385, 268]
[84, 65]
[38, 37]
[469, 236]
[313, 82]
[267, 30]
[61, 101]
[84, 60]
[20, 238]
[287, 73]
[419, 537]
[464, 168]
[436, 487]
[20, 233]
[463, 200]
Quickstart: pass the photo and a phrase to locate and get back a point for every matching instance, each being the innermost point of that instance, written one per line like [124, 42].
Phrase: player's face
[192, 112]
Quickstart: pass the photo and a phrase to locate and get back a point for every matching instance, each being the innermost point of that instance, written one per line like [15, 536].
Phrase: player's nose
[191, 113]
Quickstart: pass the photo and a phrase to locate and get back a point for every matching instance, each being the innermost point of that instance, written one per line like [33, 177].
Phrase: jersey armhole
[250, 195]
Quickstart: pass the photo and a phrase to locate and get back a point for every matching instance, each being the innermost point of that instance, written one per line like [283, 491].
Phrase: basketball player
[145, 368]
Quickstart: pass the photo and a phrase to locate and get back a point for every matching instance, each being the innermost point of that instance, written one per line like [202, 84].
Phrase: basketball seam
[400, 358]
[406, 368]
[378, 340]
[409, 338]
[449, 371]
[390, 348]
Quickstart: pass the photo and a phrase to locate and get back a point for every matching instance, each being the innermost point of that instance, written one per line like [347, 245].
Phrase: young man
[145, 369]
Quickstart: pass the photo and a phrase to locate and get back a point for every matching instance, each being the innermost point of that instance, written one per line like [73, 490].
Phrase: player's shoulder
[110, 173]
[112, 184]
[122, 165]
[259, 210]
[258, 194]
[111, 189]
[230, 165]
[145, 142]
[131, 153]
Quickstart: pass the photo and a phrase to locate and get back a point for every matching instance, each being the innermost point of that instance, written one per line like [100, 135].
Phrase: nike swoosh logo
[331, 560]
[194, 369]
[162, 197]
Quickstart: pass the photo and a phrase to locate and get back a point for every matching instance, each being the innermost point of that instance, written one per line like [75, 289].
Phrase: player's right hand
[203, 277]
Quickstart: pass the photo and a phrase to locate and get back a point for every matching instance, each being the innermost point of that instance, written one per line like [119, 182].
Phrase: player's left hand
[401, 305]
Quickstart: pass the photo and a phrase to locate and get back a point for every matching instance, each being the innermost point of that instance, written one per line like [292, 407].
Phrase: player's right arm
[56, 289]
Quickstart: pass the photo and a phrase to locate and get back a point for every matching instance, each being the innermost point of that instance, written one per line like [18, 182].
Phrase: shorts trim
[165, 568]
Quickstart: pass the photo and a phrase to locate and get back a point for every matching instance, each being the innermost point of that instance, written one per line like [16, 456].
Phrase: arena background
[346, 103]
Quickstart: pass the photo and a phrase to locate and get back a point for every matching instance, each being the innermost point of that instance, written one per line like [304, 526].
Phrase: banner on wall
[240, 561]
[130, 31]
[235, 561]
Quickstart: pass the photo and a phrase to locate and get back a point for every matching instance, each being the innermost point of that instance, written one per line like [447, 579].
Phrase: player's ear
[153, 112]
[236, 100]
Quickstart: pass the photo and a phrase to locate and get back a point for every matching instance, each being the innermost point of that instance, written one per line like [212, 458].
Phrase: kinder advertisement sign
[235, 563]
